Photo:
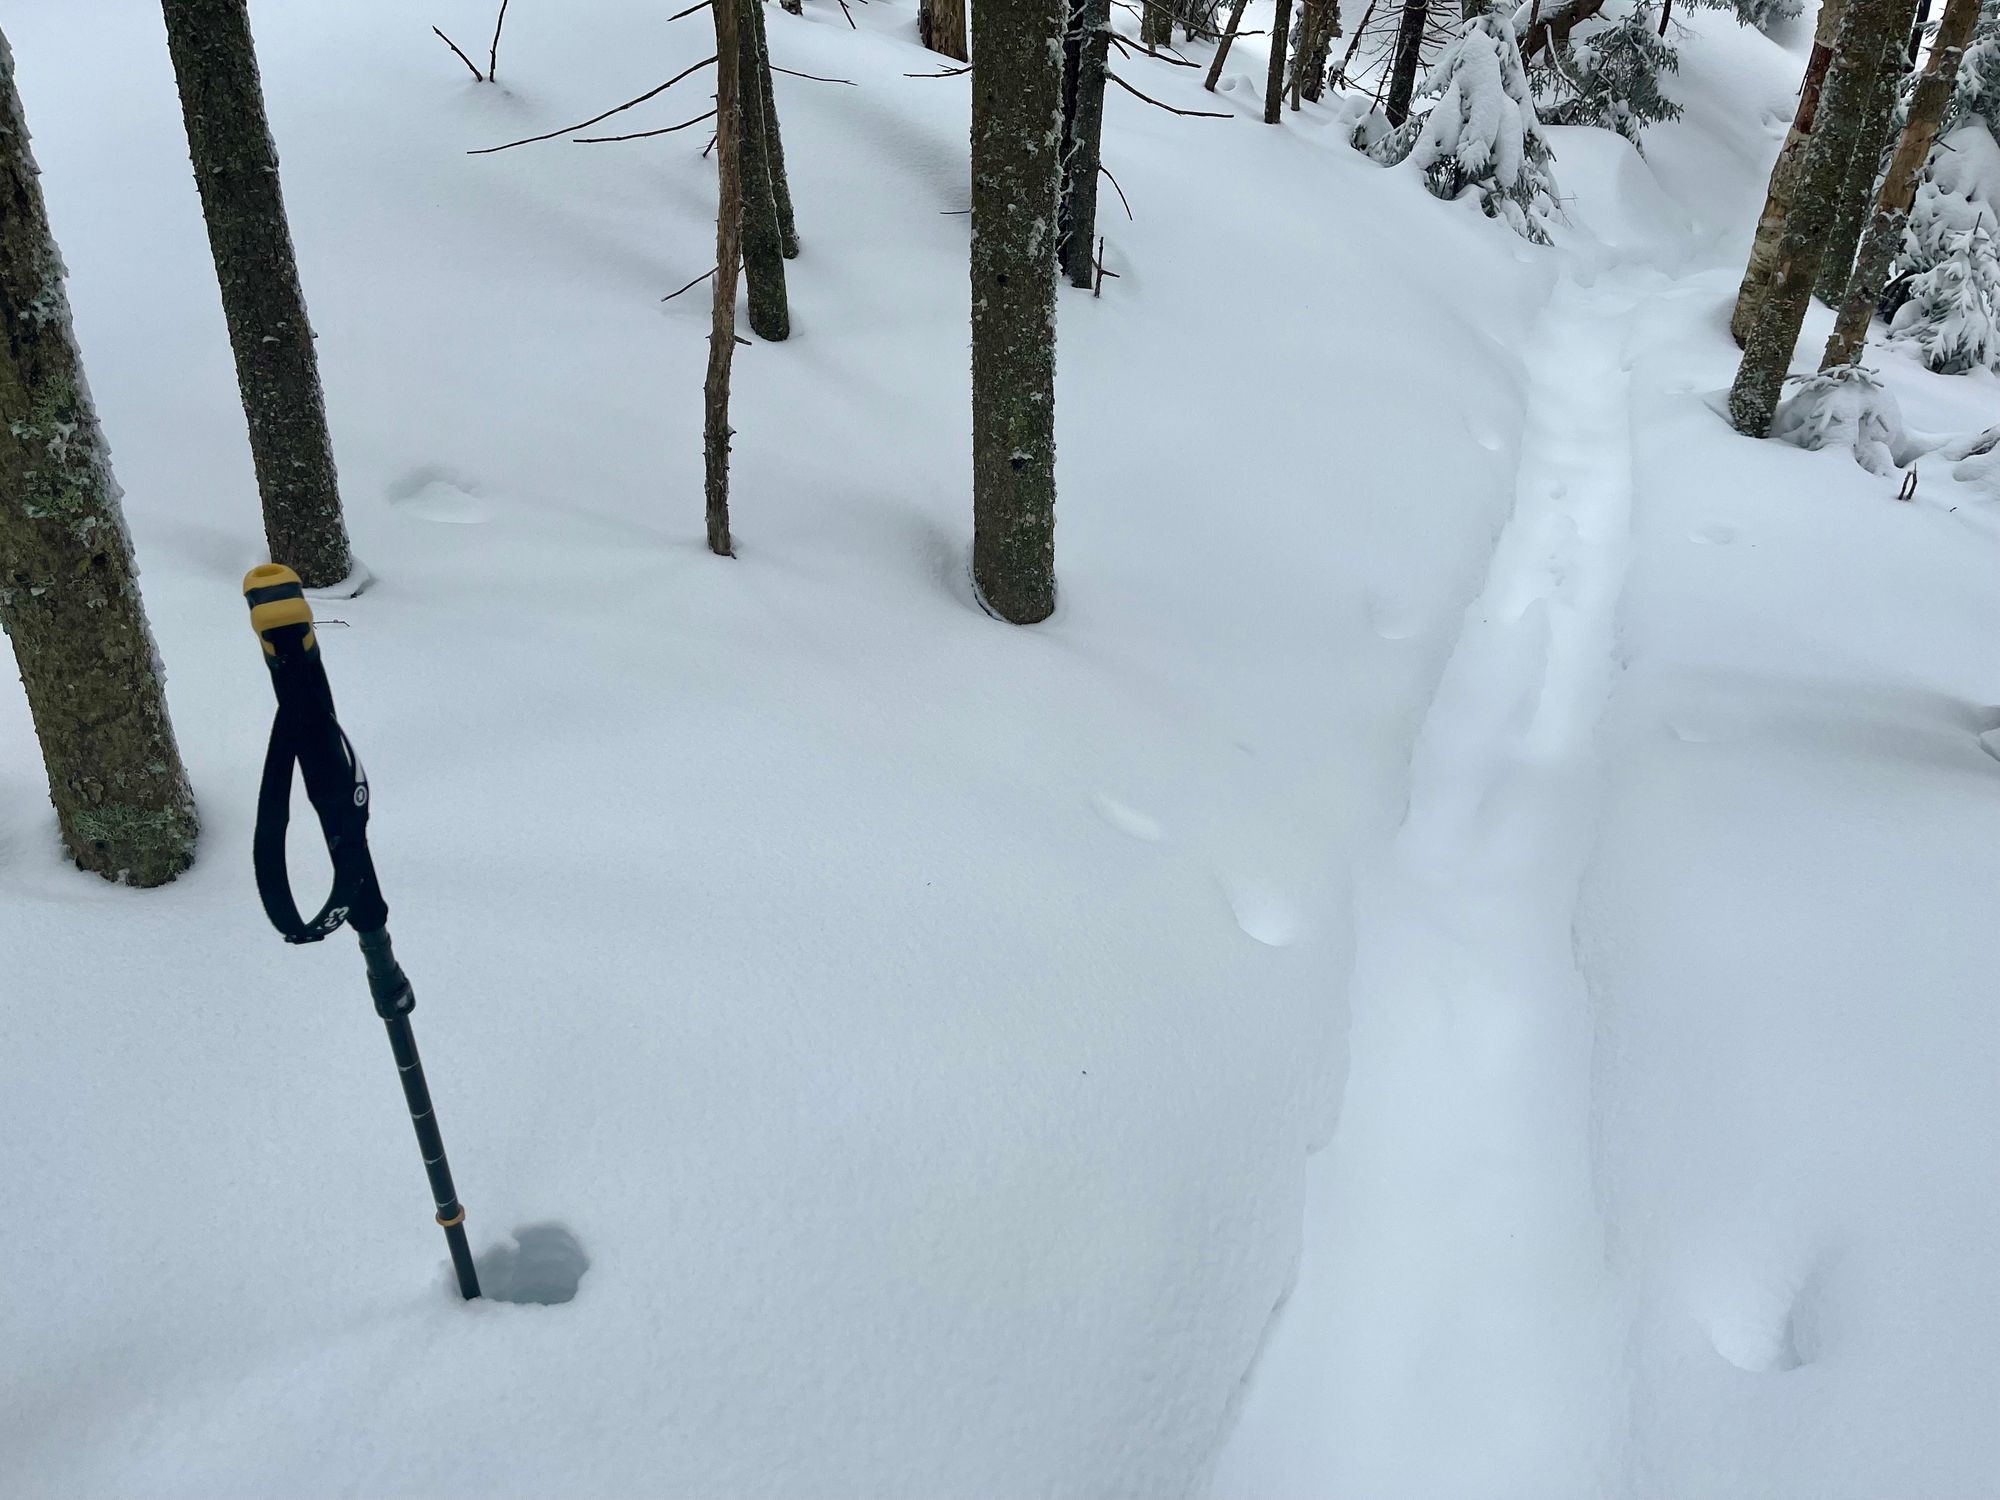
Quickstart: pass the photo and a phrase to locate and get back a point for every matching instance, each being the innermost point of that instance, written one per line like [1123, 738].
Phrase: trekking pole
[306, 734]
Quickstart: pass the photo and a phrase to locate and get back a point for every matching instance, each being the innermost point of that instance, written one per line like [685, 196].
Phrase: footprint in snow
[1262, 913]
[1127, 819]
[434, 494]
[1713, 536]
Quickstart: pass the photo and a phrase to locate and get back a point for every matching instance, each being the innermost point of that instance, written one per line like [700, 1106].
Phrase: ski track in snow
[1454, 1255]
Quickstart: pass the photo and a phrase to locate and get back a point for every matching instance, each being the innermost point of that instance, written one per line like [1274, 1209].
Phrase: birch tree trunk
[69, 594]
[1899, 186]
[1016, 184]
[1857, 192]
[1774, 331]
[715, 430]
[1086, 45]
[1757, 274]
[236, 170]
[763, 233]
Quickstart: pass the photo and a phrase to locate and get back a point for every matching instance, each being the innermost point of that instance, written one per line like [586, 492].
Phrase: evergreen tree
[69, 594]
[236, 169]
[1609, 77]
[1482, 134]
[1016, 185]
[1952, 317]
[1761, 14]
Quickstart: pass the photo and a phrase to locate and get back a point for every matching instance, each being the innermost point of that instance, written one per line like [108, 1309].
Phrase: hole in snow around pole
[542, 1266]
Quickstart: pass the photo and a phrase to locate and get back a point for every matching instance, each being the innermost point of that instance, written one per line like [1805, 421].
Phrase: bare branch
[493, 53]
[1121, 192]
[1195, 114]
[947, 73]
[691, 285]
[681, 15]
[586, 124]
[639, 135]
[850, 16]
[477, 76]
[791, 73]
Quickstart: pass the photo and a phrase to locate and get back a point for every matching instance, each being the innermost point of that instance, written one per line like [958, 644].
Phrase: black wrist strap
[338, 788]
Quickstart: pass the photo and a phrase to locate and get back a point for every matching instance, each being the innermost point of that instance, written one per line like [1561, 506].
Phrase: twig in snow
[691, 285]
[493, 53]
[947, 73]
[681, 15]
[1193, 114]
[850, 16]
[586, 124]
[639, 135]
[477, 76]
[1173, 58]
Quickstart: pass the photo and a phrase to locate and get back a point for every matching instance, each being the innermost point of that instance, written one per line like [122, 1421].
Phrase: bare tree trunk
[1086, 44]
[1899, 187]
[1354, 42]
[1228, 40]
[1016, 184]
[1857, 192]
[792, 7]
[1403, 70]
[781, 182]
[1274, 81]
[941, 24]
[763, 235]
[1757, 274]
[1156, 22]
[1774, 333]
[1322, 20]
[1916, 44]
[715, 429]
[69, 595]
[236, 169]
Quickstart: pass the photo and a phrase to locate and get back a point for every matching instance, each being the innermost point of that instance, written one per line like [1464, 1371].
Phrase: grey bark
[1086, 45]
[236, 170]
[1774, 333]
[941, 24]
[1156, 23]
[763, 230]
[781, 182]
[1317, 24]
[1857, 191]
[1757, 271]
[1222, 47]
[715, 430]
[1403, 69]
[1899, 184]
[69, 594]
[1016, 182]
[1274, 81]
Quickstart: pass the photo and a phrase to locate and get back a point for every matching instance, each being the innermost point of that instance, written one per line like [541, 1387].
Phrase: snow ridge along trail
[1455, 1331]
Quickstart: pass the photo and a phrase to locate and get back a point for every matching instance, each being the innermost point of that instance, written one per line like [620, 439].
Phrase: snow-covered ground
[1484, 860]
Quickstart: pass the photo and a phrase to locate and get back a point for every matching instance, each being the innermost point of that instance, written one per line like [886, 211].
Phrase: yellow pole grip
[277, 599]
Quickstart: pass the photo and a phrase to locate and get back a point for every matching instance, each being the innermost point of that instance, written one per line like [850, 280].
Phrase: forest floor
[1456, 964]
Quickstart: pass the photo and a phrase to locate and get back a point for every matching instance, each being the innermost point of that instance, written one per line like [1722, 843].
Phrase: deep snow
[926, 1027]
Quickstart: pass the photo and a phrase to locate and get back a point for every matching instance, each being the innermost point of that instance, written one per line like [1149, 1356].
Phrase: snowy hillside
[1456, 964]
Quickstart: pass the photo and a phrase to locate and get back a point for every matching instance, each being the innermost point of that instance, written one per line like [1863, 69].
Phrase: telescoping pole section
[306, 734]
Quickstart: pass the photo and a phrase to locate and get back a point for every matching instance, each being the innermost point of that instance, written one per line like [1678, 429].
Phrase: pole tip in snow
[277, 603]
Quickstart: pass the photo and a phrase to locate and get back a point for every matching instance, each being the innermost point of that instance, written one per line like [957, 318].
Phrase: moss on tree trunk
[236, 170]
[1016, 183]
[1086, 45]
[763, 234]
[69, 594]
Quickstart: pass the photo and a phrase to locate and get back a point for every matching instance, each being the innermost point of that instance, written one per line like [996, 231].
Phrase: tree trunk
[1899, 187]
[1538, 24]
[1156, 23]
[1774, 334]
[1403, 71]
[941, 24]
[1316, 44]
[781, 182]
[1274, 81]
[715, 430]
[792, 7]
[763, 234]
[1757, 273]
[1917, 32]
[236, 169]
[69, 596]
[1857, 192]
[1085, 47]
[1016, 182]
[1222, 47]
